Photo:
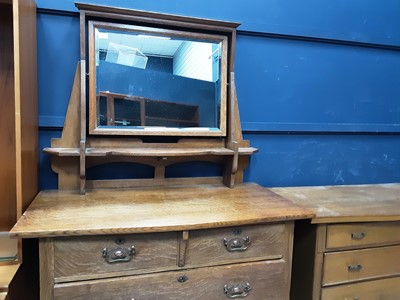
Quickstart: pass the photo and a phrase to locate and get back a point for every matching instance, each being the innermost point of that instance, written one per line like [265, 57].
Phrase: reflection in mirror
[149, 79]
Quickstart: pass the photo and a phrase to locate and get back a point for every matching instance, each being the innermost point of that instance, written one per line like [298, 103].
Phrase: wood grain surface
[387, 289]
[366, 235]
[7, 272]
[206, 247]
[113, 211]
[8, 209]
[265, 278]
[79, 256]
[26, 102]
[347, 203]
[373, 262]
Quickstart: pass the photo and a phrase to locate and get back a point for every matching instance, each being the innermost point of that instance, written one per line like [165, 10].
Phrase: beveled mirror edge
[95, 129]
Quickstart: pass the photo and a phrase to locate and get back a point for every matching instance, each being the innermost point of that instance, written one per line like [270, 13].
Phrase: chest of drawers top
[347, 203]
[145, 210]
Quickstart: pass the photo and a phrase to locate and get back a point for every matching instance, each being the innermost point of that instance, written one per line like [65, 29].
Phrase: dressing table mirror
[159, 237]
[152, 81]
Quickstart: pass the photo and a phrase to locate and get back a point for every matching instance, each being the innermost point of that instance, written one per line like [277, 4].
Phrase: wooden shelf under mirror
[149, 151]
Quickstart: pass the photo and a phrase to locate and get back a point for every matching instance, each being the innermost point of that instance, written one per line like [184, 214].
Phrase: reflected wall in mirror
[151, 81]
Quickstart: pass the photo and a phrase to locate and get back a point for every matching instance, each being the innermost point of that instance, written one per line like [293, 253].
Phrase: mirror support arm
[232, 144]
[82, 143]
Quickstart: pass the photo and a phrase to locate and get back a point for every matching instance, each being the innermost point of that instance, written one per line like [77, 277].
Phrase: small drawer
[362, 234]
[79, 256]
[387, 289]
[260, 280]
[355, 265]
[227, 245]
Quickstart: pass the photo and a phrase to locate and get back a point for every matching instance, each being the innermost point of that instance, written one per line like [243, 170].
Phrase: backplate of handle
[237, 244]
[357, 235]
[354, 268]
[237, 291]
[118, 254]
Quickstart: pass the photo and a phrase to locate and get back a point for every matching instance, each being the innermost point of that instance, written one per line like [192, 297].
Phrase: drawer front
[362, 234]
[226, 245]
[350, 266]
[385, 289]
[90, 255]
[261, 280]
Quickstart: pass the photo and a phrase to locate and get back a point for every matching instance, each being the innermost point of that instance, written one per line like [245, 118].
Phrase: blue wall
[318, 83]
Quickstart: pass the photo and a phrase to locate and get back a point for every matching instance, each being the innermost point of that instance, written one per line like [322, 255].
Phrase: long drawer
[227, 245]
[362, 234]
[385, 289]
[351, 266]
[89, 255]
[258, 281]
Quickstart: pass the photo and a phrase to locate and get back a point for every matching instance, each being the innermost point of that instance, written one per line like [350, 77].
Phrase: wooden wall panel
[26, 101]
[7, 133]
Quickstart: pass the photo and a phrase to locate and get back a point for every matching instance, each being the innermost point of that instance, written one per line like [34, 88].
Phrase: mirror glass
[151, 80]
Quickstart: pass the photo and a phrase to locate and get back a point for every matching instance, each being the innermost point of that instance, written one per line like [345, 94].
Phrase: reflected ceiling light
[103, 35]
[154, 37]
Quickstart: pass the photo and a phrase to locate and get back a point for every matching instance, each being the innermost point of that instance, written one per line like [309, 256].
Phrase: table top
[114, 211]
[347, 203]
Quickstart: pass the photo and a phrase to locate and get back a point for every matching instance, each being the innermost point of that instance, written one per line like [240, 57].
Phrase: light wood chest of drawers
[352, 251]
[221, 243]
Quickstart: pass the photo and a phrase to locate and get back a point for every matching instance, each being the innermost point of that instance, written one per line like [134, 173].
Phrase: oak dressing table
[157, 238]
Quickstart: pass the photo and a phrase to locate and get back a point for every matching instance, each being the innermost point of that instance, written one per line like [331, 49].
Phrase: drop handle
[237, 291]
[118, 254]
[237, 244]
[354, 268]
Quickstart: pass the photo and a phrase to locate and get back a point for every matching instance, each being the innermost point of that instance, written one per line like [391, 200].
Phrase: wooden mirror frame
[94, 127]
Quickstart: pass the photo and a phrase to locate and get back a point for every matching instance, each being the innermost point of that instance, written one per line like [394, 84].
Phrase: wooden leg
[46, 265]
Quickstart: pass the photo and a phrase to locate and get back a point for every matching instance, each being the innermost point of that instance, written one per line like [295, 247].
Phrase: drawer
[385, 289]
[362, 234]
[354, 265]
[86, 256]
[261, 280]
[226, 245]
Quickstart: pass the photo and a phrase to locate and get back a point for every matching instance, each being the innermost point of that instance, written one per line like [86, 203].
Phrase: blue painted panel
[370, 21]
[193, 169]
[298, 85]
[58, 55]
[47, 178]
[298, 160]
[119, 171]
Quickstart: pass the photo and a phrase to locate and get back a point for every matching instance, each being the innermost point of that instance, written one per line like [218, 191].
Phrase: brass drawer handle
[354, 268]
[118, 254]
[357, 235]
[237, 291]
[237, 244]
